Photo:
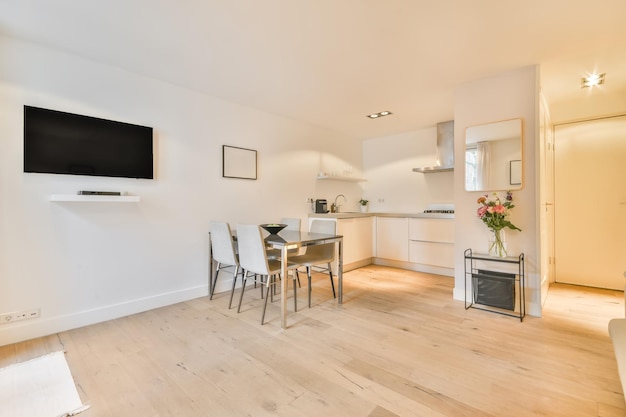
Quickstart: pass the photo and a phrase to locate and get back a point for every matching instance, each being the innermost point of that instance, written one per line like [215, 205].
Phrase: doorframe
[554, 128]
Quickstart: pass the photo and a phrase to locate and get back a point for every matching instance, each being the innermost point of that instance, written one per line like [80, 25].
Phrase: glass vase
[497, 243]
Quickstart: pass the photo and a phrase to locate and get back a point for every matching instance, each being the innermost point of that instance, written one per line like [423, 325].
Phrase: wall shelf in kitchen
[429, 170]
[340, 178]
[66, 198]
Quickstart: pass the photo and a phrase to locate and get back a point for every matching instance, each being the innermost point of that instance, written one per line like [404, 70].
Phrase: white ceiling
[331, 62]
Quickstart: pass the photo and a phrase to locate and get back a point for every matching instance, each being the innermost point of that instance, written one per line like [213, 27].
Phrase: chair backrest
[252, 255]
[222, 244]
[292, 223]
[326, 250]
[323, 226]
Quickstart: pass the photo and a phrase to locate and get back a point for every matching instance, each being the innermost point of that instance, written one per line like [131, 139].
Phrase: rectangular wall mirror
[493, 156]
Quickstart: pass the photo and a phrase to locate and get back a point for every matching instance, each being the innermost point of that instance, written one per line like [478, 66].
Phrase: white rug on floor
[41, 387]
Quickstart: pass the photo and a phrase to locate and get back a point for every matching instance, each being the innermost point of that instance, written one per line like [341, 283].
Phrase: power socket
[20, 315]
[33, 314]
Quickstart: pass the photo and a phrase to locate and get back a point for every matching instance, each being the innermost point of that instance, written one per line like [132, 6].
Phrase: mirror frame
[511, 167]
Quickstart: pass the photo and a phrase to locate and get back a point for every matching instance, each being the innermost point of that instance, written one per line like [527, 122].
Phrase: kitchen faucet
[334, 208]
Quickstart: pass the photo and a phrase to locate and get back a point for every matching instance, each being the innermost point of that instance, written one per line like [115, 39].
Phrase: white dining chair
[224, 253]
[292, 223]
[318, 256]
[253, 260]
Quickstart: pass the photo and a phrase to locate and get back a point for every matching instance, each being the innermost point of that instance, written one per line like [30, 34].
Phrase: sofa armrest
[617, 330]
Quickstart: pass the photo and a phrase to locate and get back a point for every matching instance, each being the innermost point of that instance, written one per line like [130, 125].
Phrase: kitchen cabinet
[392, 238]
[431, 242]
[424, 244]
[357, 235]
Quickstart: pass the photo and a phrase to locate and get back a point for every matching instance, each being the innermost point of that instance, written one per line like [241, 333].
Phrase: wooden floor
[399, 346]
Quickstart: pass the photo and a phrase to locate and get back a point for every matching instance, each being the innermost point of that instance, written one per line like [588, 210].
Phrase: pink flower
[499, 209]
[494, 212]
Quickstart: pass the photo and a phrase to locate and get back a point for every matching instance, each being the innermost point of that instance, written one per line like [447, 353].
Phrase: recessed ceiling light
[592, 80]
[377, 115]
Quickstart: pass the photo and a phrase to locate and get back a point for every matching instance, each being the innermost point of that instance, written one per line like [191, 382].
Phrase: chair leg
[332, 283]
[232, 291]
[217, 271]
[308, 274]
[243, 273]
[295, 295]
[260, 286]
[243, 288]
[269, 282]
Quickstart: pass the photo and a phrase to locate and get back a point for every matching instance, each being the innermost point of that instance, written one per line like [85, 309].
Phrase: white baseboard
[44, 326]
[429, 269]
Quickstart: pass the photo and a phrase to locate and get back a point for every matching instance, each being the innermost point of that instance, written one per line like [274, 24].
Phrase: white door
[546, 215]
[590, 203]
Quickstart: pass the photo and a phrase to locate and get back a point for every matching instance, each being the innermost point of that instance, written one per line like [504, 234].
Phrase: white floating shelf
[94, 198]
[340, 178]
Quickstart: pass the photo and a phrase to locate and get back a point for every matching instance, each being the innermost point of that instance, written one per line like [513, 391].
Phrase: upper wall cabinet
[493, 156]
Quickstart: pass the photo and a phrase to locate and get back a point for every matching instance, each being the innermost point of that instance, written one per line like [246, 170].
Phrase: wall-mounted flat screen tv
[64, 143]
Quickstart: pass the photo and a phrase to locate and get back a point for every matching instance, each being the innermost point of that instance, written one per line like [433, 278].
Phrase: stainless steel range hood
[445, 149]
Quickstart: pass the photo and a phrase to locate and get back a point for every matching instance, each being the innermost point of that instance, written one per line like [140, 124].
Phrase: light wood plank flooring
[399, 346]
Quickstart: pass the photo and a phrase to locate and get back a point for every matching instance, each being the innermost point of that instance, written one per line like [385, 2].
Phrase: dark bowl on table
[273, 228]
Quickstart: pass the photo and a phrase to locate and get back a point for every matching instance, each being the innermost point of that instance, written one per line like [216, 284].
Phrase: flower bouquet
[494, 213]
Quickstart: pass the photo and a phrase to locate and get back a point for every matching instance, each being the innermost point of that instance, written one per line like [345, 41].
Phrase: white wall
[514, 94]
[392, 186]
[86, 262]
[502, 152]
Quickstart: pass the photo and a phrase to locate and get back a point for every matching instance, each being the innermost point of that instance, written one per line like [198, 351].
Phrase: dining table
[286, 240]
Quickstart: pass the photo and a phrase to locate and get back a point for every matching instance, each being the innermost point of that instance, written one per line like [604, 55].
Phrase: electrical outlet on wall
[20, 315]
[33, 314]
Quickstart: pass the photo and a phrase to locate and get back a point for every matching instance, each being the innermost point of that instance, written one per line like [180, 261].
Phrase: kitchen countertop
[349, 215]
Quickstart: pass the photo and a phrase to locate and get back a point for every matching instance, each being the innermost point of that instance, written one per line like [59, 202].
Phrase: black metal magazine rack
[492, 287]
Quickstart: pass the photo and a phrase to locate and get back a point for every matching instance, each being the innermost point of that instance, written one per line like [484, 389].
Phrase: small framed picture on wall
[239, 163]
[515, 172]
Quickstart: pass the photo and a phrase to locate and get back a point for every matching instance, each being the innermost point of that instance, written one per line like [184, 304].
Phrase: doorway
[590, 202]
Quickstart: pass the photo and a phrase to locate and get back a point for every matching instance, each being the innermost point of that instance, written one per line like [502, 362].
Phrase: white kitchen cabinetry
[392, 238]
[431, 242]
[357, 235]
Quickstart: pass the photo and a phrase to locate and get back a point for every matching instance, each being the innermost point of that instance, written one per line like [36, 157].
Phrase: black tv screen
[64, 143]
